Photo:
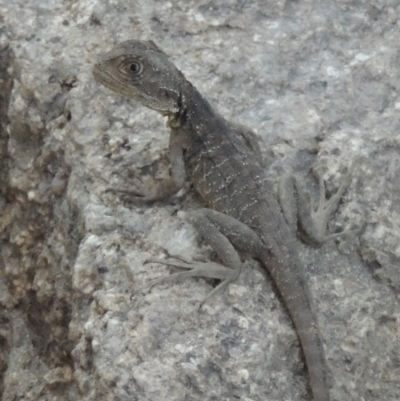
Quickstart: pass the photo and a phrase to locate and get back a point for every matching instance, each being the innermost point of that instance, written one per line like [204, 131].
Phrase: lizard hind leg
[223, 233]
[313, 216]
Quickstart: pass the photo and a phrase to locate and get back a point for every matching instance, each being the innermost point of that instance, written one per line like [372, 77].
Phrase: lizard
[243, 214]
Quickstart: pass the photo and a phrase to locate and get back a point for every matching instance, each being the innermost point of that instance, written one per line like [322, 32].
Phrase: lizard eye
[131, 68]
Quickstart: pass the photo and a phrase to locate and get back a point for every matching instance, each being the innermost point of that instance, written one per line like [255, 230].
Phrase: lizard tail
[297, 297]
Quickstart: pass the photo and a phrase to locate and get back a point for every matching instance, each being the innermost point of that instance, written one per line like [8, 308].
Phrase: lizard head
[141, 71]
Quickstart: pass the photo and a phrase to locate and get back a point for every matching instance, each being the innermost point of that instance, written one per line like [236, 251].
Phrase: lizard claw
[164, 261]
[194, 269]
[134, 195]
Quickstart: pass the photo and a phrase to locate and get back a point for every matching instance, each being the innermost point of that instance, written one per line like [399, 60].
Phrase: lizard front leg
[224, 234]
[164, 189]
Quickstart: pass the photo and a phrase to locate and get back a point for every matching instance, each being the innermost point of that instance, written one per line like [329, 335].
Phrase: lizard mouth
[123, 88]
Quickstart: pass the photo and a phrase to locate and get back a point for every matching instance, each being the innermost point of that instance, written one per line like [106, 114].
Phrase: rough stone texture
[318, 80]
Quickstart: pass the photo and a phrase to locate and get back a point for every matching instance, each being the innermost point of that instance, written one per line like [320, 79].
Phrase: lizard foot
[314, 221]
[195, 269]
[138, 194]
[147, 193]
[131, 195]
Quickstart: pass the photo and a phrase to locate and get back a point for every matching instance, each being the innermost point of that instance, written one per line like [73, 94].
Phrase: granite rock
[318, 81]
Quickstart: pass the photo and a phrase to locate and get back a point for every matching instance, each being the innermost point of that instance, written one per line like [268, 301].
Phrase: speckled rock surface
[318, 81]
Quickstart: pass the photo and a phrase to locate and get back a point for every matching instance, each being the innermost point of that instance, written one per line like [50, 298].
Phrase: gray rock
[318, 81]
